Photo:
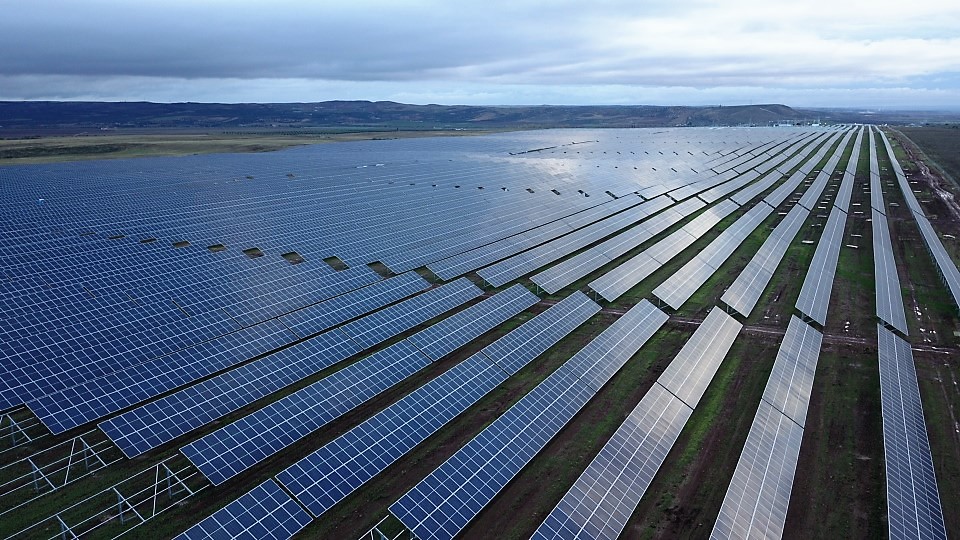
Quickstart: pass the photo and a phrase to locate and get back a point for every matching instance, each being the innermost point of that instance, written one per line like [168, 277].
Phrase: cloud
[564, 50]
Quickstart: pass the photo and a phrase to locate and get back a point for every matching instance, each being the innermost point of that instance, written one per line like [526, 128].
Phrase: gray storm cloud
[114, 49]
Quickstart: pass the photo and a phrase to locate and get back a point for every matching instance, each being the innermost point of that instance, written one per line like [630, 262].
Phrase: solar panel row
[235, 447]
[624, 277]
[159, 422]
[913, 501]
[889, 298]
[845, 193]
[755, 505]
[604, 497]
[757, 498]
[815, 292]
[812, 196]
[876, 189]
[265, 512]
[945, 265]
[331, 473]
[444, 502]
[528, 261]
[134, 338]
[100, 397]
[567, 272]
[679, 287]
[745, 291]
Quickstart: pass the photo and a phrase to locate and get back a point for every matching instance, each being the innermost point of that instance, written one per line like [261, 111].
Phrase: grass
[940, 144]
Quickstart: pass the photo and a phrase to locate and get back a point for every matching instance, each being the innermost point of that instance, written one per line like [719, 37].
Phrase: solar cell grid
[756, 502]
[889, 298]
[814, 299]
[329, 474]
[913, 501]
[390, 321]
[161, 421]
[688, 375]
[237, 446]
[324, 315]
[567, 272]
[524, 263]
[265, 512]
[604, 497]
[788, 388]
[459, 329]
[444, 502]
[624, 277]
[99, 397]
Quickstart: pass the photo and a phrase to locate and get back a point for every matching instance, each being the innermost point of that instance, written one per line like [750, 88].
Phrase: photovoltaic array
[373, 295]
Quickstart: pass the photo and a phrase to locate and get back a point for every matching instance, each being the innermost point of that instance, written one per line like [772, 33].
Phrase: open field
[84, 250]
[940, 144]
[91, 147]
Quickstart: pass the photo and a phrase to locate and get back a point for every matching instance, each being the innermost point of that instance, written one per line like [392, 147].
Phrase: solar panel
[165, 419]
[948, 269]
[450, 334]
[889, 298]
[444, 502]
[565, 273]
[688, 375]
[100, 397]
[913, 501]
[388, 322]
[845, 192]
[945, 265]
[625, 277]
[459, 264]
[235, 447]
[756, 502]
[601, 501]
[745, 291]
[329, 313]
[679, 287]
[606, 494]
[515, 350]
[524, 263]
[265, 512]
[788, 388]
[328, 475]
[814, 299]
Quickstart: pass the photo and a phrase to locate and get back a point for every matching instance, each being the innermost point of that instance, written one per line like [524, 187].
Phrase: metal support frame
[16, 430]
[37, 474]
[174, 480]
[123, 502]
[65, 530]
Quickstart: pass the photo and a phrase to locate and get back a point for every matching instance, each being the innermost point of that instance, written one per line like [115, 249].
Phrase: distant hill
[85, 116]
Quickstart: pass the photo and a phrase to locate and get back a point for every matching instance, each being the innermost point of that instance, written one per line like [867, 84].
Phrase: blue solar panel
[237, 446]
[515, 350]
[234, 447]
[265, 512]
[388, 322]
[331, 473]
[329, 313]
[913, 500]
[461, 328]
[95, 399]
[161, 421]
[444, 502]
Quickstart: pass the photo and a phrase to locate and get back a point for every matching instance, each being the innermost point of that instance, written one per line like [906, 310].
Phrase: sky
[873, 54]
